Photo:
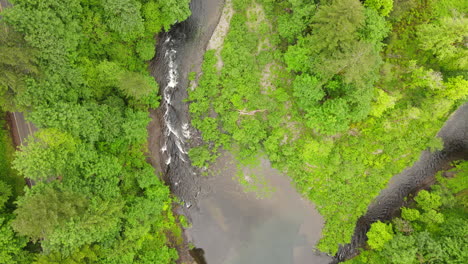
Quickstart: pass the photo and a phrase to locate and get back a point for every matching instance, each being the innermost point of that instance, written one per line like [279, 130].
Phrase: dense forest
[78, 68]
[432, 229]
[341, 95]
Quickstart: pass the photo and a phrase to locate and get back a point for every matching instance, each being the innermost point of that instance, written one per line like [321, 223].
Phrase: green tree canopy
[11, 245]
[17, 61]
[379, 234]
[446, 40]
[46, 156]
[42, 211]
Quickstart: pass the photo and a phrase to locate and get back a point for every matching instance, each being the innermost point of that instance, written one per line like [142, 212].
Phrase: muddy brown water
[235, 227]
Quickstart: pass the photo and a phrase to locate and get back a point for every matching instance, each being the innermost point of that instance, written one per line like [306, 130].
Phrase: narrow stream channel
[454, 133]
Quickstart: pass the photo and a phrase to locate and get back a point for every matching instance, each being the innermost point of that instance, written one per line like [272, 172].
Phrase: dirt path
[20, 129]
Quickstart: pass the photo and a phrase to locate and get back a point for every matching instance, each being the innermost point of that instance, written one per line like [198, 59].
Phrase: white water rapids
[181, 133]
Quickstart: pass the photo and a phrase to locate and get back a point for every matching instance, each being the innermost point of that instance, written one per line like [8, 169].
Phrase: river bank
[180, 51]
[191, 38]
[421, 175]
[219, 200]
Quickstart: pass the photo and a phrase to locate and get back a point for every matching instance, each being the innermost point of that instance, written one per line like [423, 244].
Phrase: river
[454, 133]
[229, 226]
[179, 52]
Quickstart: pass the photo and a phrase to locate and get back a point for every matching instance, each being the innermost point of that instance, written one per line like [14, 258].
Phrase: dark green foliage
[12, 183]
[81, 73]
[348, 58]
[11, 245]
[5, 194]
[136, 85]
[16, 62]
[296, 20]
[124, 18]
[86, 254]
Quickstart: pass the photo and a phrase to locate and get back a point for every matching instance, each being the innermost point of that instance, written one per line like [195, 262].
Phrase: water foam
[177, 134]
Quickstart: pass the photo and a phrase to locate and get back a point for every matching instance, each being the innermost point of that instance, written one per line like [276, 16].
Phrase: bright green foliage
[173, 11]
[328, 69]
[460, 183]
[376, 28]
[378, 235]
[11, 245]
[410, 214]
[46, 157]
[446, 41]
[435, 144]
[384, 7]
[145, 49]
[383, 102]
[201, 156]
[297, 57]
[99, 223]
[307, 90]
[434, 231]
[428, 201]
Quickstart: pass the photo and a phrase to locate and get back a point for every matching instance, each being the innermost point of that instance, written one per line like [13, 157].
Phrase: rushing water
[455, 136]
[180, 51]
